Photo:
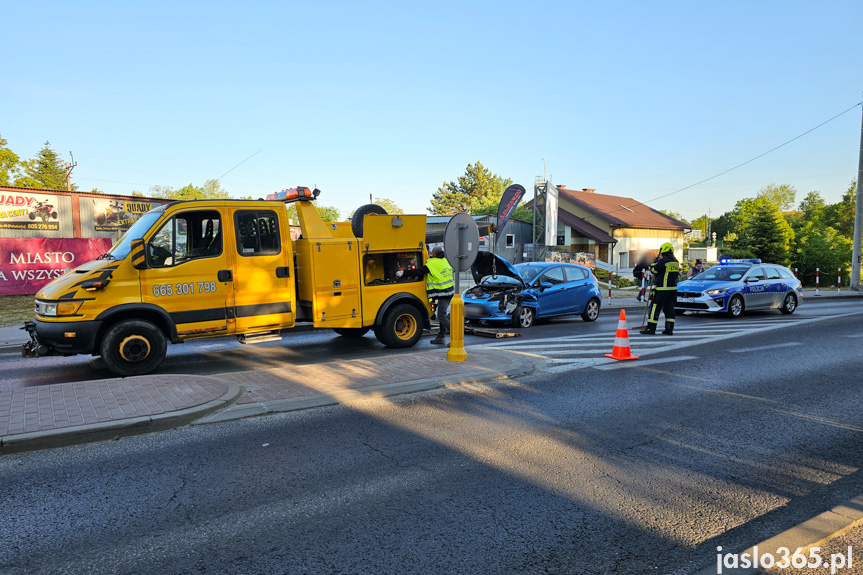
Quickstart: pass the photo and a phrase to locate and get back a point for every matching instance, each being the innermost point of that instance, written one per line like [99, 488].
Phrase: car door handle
[283, 272]
[224, 275]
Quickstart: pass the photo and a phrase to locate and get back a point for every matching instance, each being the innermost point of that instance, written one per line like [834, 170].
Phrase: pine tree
[478, 188]
[9, 165]
[45, 171]
[767, 234]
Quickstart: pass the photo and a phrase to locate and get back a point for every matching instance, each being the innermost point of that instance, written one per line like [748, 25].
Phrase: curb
[115, 429]
[341, 397]
[807, 534]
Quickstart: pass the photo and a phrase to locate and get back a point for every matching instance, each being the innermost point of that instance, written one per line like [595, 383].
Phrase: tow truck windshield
[121, 248]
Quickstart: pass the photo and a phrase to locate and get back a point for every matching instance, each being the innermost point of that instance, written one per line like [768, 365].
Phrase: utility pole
[858, 221]
[68, 168]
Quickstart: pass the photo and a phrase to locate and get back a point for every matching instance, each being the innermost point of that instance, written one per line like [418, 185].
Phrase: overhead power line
[722, 173]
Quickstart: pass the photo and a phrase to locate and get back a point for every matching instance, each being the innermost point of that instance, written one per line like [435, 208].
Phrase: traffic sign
[461, 242]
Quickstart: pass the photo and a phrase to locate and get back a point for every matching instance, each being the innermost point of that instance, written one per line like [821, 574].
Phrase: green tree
[390, 206]
[766, 233]
[328, 213]
[841, 215]
[780, 196]
[702, 223]
[10, 165]
[45, 171]
[813, 206]
[476, 190]
[674, 215]
[819, 246]
[211, 190]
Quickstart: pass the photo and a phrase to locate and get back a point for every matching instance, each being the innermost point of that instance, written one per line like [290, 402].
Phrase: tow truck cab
[210, 268]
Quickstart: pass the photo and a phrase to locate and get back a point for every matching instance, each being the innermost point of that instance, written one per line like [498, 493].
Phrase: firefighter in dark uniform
[666, 270]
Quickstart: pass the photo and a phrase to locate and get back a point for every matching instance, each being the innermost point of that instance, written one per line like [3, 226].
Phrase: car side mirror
[544, 286]
[750, 280]
[138, 253]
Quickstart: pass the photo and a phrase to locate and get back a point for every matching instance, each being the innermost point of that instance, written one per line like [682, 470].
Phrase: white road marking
[763, 347]
[562, 354]
[641, 363]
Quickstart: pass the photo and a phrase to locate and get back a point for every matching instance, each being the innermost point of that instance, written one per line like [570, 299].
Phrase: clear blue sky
[633, 98]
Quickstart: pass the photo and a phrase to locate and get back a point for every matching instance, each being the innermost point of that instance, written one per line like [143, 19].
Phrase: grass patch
[16, 309]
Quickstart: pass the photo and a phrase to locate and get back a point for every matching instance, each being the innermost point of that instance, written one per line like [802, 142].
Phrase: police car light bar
[736, 261]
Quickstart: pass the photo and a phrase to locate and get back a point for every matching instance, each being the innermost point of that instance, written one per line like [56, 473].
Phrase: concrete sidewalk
[69, 413]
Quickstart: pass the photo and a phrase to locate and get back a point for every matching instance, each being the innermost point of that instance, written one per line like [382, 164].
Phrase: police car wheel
[735, 306]
[789, 305]
[133, 347]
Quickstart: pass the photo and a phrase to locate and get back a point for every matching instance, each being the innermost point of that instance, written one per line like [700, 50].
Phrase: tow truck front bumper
[60, 338]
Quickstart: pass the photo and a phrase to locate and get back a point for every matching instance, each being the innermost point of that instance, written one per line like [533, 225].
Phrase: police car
[737, 285]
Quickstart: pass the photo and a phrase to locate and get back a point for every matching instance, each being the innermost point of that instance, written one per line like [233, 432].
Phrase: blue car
[737, 285]
[520, 294]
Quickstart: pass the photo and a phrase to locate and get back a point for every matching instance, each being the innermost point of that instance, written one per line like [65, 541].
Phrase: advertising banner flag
[28, 264]
[508, 202]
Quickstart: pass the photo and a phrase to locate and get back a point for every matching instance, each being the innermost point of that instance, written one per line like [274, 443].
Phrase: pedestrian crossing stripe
[552, 350]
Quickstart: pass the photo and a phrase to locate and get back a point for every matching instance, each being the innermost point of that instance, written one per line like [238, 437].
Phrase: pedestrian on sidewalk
[696, 269]
[440, 287]
[666, 270]
[641, 272]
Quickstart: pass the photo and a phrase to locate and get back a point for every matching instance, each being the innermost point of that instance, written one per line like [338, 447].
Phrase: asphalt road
[223, 355]
[641, 468]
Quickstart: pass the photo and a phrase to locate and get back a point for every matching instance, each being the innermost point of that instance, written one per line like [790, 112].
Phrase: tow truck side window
[186, 236]
[257, 233]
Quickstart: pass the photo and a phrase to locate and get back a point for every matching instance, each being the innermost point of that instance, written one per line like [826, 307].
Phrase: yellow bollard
[456, 325]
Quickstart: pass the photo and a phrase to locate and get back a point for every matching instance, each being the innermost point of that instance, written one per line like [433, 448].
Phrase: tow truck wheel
[351, 331]
[133, 347]
[735, 306]
[789, 305]
[402, 326]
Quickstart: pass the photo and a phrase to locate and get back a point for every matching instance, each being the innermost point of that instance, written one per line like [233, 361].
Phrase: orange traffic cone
[621, 341]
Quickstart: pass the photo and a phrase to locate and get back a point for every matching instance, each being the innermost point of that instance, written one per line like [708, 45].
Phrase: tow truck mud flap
[492, 333]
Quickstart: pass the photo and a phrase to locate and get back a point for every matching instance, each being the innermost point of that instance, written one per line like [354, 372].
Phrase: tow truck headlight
[716, 291]
[59, 308]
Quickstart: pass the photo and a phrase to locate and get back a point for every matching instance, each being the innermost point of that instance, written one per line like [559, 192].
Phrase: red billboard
[28, 264]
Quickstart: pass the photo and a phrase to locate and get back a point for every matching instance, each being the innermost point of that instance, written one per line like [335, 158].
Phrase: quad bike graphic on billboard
[111, 215]
[21, 211]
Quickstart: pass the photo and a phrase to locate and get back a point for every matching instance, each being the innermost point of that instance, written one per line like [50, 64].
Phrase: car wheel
[133, 347]
[523, 317]
[591, 310]
[789, 305]
[357, 218]
[402, 327]
[352, 331]
[735, 306]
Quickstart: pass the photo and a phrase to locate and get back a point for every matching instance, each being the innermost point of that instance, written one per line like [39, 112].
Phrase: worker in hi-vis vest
[440, 287]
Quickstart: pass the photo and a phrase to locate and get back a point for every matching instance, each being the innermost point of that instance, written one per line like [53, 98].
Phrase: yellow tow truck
[211, 268]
